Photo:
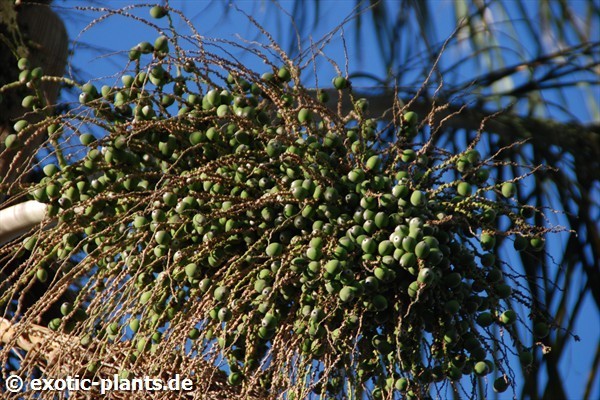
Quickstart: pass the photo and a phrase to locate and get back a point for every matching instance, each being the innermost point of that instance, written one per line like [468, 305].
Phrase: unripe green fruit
[161, 44]
[134, 53]
[122, 97]
[473, 156]
[29, 101]
[304, 115]
[401, 384]
[284, 74]
[413, 289]
[20, 125]
[224, 314]
[191, 270]
[540, 330]
[331, 195]
[411, 118]
[485, 319]
[454, 373]
[527, 212]
[317, 314]
[347, 293]
[41, 274]
[70, 239]
[93, 367]
[409, 244]
[37, 73]
[145, 47]
[425, 276]
[520, 243]
[158, 12]
[408, 260]
[463, 164]
[500, 385]
[50, 169]
[368, 246]
[145, 297]
[322, 96]
[452, 280]
[54, 324]
[385, 248]
[213, 97]
[12, 141]
[205, 285]
[452, 307]
[488, 259]
[274, 249]
[371, 284]
[134, 325]
[494, 275]
[382, 220]
[509, 189]
[408, 155]
[112, 328]
[400, 191]
[418, 198]
[481, 368]
[488, 241]
[194, 334]
[356, 175]
[269, 321]
[85, 98]
[482, 175]
[162, 237]
[382, 273]
[274, 148]
[87, 139]
[361, 105]
[422, 250]
[139, 221]
[267, 77]
[373, 163]
[235, 378]
[223, 110]
[537, 243]
[159, 215]
[66, 308]
[503, 290]
[508, 317]
[333, 267]
[380, 302]
[23, 64]
[142, 345]
[526, 358]
[167, 100]
[260, 285]
[339, 82]
[314, 254]
[221, 293]
[90, 89]
[29, 243]
[211, 133]
[170, 199]
[464, 189]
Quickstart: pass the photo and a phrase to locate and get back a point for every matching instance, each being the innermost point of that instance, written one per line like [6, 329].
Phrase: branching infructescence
[237, 217]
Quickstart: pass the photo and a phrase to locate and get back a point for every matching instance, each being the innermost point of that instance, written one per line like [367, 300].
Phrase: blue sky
[118, 34]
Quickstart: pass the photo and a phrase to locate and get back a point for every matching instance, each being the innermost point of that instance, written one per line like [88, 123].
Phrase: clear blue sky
[119, 34]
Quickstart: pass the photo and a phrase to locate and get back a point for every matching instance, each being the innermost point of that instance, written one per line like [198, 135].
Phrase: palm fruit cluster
[239, 215]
